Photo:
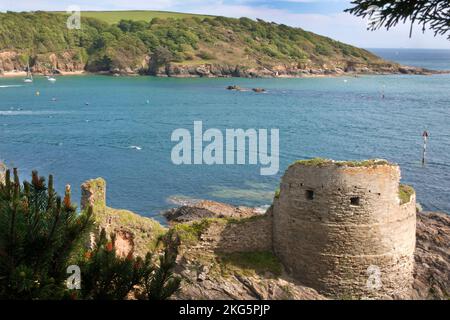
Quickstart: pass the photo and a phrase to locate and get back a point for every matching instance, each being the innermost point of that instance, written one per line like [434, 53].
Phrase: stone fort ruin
[346, 229]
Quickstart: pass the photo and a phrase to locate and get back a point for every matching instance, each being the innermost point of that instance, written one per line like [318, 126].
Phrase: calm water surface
[104, 126]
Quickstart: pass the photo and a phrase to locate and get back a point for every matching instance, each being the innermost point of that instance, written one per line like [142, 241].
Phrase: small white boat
[29, 78]
[51, 79]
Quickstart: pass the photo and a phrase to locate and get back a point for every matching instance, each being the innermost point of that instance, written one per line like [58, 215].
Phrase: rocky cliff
[67, 62]
[45, 63]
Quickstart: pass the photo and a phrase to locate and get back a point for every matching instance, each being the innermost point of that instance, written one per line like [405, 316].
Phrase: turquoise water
[340, 118]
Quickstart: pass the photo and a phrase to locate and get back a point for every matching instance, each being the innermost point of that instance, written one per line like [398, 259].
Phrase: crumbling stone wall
[342, 230]
[246, 235]
[93, 193]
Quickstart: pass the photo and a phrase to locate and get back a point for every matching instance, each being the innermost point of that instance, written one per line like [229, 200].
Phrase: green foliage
[105, 276]
[206, 55]
[432, 14]
[42, 234]
[252, 262]
[137, 15]
[277, 193]
[128, 42]
[191, 232]
[161, 284]
[320, 162]
[314, 162]
[405, 193]
[39, 233]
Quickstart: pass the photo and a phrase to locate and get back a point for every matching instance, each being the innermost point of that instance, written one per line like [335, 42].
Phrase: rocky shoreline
[66, 64]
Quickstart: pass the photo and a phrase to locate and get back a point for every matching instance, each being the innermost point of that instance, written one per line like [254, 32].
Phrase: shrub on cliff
[39, 236]
[109, 277]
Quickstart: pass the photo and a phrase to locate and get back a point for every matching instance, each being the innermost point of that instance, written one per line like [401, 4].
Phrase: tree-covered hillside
[147, 46]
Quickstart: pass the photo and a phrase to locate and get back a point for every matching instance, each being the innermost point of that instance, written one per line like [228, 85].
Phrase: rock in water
[234, 87]
[259, 90]
[208, 209]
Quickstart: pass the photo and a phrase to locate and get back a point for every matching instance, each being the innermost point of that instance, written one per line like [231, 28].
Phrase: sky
[325, 17]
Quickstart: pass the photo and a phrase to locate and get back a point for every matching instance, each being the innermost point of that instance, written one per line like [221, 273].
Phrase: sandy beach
[14, 74]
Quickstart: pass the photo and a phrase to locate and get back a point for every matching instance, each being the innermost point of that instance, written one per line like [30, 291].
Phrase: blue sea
[83, 127]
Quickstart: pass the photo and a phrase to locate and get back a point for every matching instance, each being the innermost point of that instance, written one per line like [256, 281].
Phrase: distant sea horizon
[119, 128]
[435, 59]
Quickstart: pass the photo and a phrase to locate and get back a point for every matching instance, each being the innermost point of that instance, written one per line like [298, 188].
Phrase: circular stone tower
[346, 229]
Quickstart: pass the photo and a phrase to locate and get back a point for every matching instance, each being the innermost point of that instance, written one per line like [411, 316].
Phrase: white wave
[11, 86]
[262, 209]
[182, 200]
[135, 147]
[27, 113]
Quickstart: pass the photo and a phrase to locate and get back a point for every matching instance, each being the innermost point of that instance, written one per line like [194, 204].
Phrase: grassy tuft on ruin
[405, 193]
[321, 162]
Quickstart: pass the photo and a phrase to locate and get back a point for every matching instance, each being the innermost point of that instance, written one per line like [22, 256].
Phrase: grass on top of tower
[315, 162]
[321, 162]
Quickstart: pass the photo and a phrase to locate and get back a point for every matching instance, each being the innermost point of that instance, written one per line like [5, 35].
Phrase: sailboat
[51, 78]
[29, 78]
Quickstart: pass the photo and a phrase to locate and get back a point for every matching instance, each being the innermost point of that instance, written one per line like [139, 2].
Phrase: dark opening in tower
[355, 201]
[309, 194]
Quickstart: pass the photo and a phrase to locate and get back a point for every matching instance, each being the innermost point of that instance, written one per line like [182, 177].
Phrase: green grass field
[137, 15]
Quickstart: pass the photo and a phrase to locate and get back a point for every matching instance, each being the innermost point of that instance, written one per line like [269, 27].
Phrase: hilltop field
[137, 15]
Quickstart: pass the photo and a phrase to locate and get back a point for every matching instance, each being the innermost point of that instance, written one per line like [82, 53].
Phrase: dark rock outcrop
[208, 209]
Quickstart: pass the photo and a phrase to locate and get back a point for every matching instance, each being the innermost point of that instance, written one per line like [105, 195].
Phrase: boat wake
[11, 86]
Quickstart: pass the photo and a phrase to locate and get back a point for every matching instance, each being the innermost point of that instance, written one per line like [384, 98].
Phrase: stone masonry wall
[342, 230]
[254, 234]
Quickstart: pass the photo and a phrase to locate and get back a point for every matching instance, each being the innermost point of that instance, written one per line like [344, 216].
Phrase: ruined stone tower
[346, 229]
